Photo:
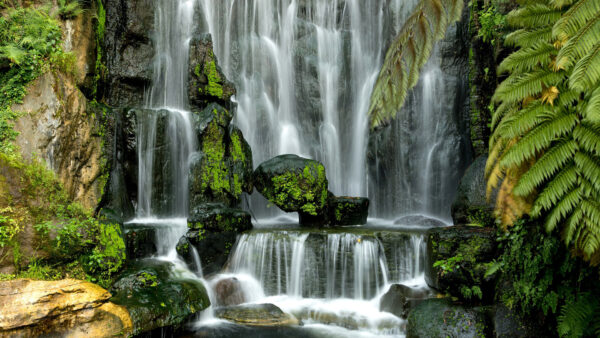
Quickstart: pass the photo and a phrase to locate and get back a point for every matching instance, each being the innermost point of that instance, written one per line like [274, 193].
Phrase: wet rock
[256, 315]
[156, 297]
[213, 229]
[140, 241]
[442, 318]
[509, 323]
[206, 81]
[294, 184]
[464, 253]
[349, 210]
[471, 204]
[419, 220]
[67, 307]
[400, 299]
[222, 169]
[229, 292]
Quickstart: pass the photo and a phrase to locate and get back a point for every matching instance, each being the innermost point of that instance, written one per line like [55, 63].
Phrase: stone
[442, 318]
[222, 169]
[349, 210]
[256, 315]
[400, 299]
[206, 81]
[156, 297]
[471, 204]
[294, 184]
[466, 252]
[66, 307]
[419, 220]
[140, 240]
[213, 230]
[229, 292]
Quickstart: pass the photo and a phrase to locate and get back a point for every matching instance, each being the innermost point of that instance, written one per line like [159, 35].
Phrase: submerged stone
[442, 318]
[294, 184]
[155, 297]
[213, 229]
[400, 299]
[256, 315]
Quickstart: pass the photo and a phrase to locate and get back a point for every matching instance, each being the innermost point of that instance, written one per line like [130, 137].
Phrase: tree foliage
[408, 54]
[545, 146]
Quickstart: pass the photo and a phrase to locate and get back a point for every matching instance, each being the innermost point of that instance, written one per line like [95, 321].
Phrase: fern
[575, 316]
[408, 53]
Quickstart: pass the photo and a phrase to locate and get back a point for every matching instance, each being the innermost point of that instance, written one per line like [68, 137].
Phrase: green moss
[216, 173]
[210, 71]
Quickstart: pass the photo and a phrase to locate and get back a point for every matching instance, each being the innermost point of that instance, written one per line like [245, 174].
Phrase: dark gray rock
[419, 220]
[466, 253]
[155, 297]
[471, 203]
[256, 315]
[442, 318]
[400, 299]
[348, 210]
[140, 240]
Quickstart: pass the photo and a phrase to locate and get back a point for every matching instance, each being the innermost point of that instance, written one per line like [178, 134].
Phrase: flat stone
[256, 315]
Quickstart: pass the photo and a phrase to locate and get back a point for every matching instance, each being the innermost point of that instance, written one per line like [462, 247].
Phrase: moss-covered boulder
[206, 81]
[348, 210]
[256, 315]
[294, 184]
[457, 260]
[140, 240]
[156, 297]
[213, 230]
[222, 168]
[442, 318]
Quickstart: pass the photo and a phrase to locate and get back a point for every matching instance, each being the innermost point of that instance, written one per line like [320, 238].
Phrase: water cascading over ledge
[305, 70]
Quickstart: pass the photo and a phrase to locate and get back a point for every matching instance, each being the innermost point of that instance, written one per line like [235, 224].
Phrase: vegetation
[408, 54]
[545, 147]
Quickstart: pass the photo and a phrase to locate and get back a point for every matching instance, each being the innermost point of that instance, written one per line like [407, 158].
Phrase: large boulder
[229, 292]
[457, 260]
[156, 297]
[67, 307]
[400, 299]
[294, 184]
[222, 169]
[213, 230]
[348, 210]
[140, 240]
[256, 315]
[206, 81]
[471, 204]
[442, 318]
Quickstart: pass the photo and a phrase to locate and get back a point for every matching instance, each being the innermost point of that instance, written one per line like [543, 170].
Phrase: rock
[471, 204]
[206, 81]
[222, 169]
[67, 307]
[155, 297]
[349, 210]
[466, 253]
[419, 220]
[400, 299]
[56, 126]
[213, 229]
[256, 315]
[140, 240]
[442, 318]
[79, 39]
[294, 184]
[509, 323]
[229, 292]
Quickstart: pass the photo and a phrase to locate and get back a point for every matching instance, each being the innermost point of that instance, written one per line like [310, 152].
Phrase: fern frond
[533, 15]
[575, 316]
[588, 138]
[518, 87]
[526, 59]
[13, 53]
[545, 167]
[526, 38]
[586, 72]
[580, 44]
[561, 3]
[592, 110]
[575, 18]
[562, 209]
[505, 108]
[554, 191]
[510, 207]
[589, 168]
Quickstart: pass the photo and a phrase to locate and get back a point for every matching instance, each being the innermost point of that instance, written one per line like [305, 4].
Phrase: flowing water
[304, 72]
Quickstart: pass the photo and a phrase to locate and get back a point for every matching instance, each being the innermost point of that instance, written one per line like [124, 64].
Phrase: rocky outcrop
[457, 260]
[155, 297]
[67, 307]
[222, 168]
[348, 210]
[400, 299]
[140, 240]
[471, 204]
[206, 81]
[442, 318]
[213, 229]
[256, 315]
[58, 126]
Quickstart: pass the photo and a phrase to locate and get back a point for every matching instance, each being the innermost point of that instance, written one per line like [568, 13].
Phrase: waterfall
[322, 265]
[165, 132]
